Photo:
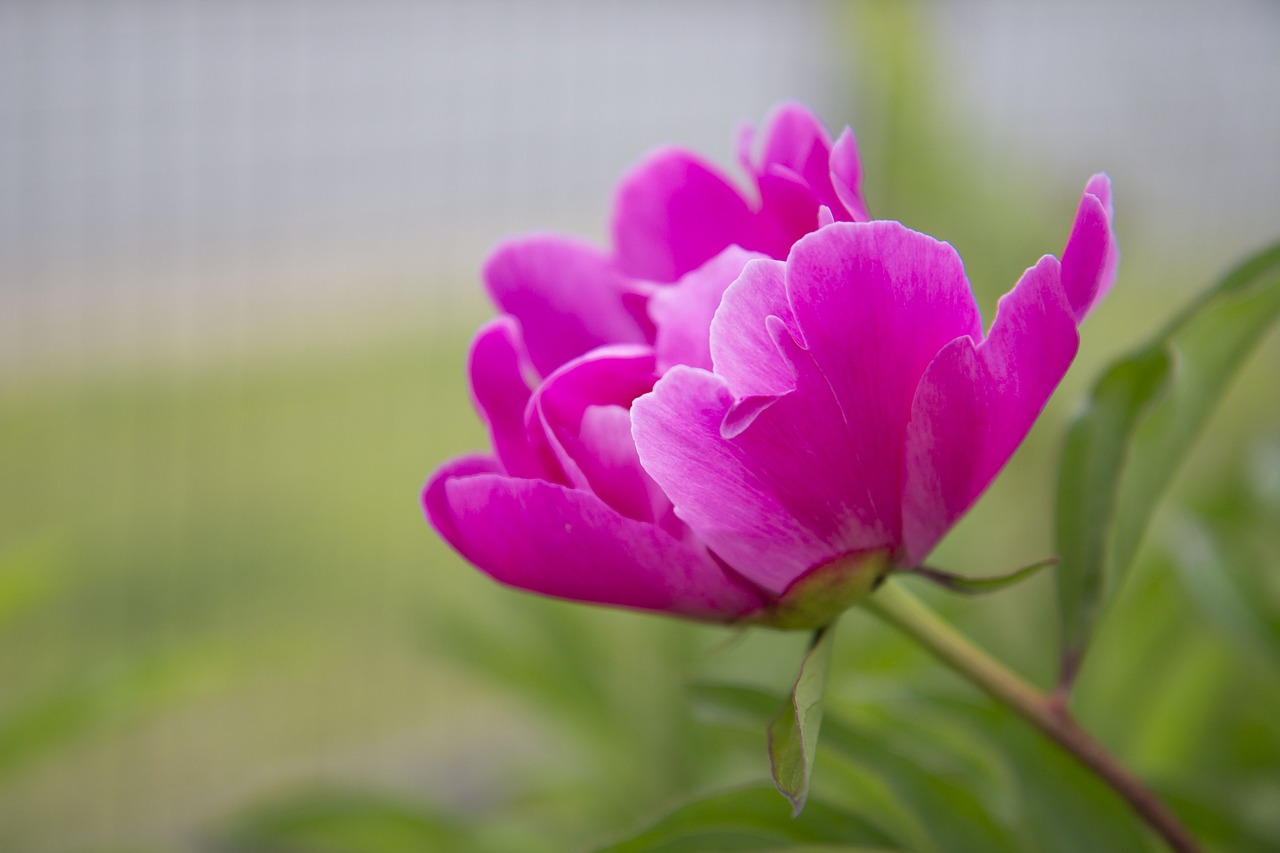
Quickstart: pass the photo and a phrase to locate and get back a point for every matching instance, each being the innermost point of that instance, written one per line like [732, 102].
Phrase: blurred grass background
[223, 622]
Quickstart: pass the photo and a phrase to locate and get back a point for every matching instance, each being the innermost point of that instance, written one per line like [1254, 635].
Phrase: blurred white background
[175, 173]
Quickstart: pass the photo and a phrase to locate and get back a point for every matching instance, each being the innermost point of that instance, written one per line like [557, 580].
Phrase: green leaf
[1141, 420]
[793, 732]
[754, 819]
[1198, 560]
[1088, 482]
[105, 693]
[944, 811]
[966, 585]
[1212, 340]
[342, 822]
[1059, 806]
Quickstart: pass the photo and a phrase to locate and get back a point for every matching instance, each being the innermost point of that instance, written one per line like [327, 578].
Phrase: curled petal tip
[1090, 257]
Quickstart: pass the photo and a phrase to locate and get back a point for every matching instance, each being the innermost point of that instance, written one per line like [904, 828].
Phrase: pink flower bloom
[738, 414]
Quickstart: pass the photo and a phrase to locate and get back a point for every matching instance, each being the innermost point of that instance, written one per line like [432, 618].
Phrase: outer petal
[567, 295]
[683, 313]
[567, 543]
[435, 503]
[1090, 257]
[776, 499]
[875, 302]
[498, 366]
[976, 403]
[672, 213]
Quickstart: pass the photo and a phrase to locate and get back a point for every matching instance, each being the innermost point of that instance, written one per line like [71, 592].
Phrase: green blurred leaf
[1199, 564]
[340, 822]
[1060, 806]
[754, 819]
[1212, 339]
[29, 574]
[1124, 449]
[106, 694]
[1088, 482]
[946, 812]
[793, 731]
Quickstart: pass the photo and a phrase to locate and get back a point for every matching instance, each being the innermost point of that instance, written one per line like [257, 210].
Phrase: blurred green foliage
[225, 624]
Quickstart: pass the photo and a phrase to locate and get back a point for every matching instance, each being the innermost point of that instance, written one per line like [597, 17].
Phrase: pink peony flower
[749, 410]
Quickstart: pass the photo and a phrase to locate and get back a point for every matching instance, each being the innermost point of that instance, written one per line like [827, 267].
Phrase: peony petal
[672, 213]
[497, 366]
[846, 176]
[874, 303]
[1090, 257]
[682, 313]
[794, 178]
[776, 499]
[796, 140]
[581, 417]
[976, 403]
[788, 210]
[567, 543]
[742, 350]
[436, 504]
[606, 454]
[567, 295]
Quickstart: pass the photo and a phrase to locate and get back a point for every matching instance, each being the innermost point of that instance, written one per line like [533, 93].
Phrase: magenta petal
[567, 295]
[1090, 257]
[672, 213]
[976, 403]
[742, 349]
[875, 302]
[776, 499]
[846, 176]
[788, 210]
[582, 419]
[682, 313]
[436, 504]
[606, 455]
[797, 141]
[497, 366]
[567, 543]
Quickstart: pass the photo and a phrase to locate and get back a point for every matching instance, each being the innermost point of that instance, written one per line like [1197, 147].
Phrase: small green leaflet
[793, 732]
[1141, 420]
[965, 585]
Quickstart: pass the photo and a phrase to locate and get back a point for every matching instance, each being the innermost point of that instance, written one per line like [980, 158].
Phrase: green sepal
[817, 598]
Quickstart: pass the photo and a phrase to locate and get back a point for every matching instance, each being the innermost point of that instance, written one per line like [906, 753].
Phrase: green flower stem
[901, 609]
